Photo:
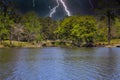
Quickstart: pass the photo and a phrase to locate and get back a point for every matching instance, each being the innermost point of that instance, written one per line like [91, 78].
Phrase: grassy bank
[114, 43]
[33, 44]
[16, 44]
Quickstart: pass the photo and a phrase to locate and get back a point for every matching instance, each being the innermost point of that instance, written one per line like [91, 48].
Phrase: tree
[108, 9]
[32, 26]
[77, 29]
[7, 20]
[3, 29]
[101, 33]
[116, 29]
[64, 29]
[84, 29]
[17, 31]
[48, 28]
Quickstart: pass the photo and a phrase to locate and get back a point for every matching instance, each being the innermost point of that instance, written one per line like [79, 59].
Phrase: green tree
[3, 29]
[6, 26]
[17, 31]
[78, 29]
[64, 29]
[7, 19]
[32, 26]
[101, 33]
[84, 29]
[48, 28]
[116, 28]
[108, 9]
[9, 22]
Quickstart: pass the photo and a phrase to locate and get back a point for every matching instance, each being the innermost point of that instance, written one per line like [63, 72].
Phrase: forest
[78, 30]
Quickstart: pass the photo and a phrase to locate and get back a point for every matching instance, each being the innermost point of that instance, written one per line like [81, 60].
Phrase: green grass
[16, 44]
[113, 41]
[26, 44]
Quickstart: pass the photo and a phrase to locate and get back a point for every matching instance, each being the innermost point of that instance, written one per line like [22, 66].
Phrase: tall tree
[32, 26]
[7, 11]
[116, 28]
[108, 8]
[48, 28]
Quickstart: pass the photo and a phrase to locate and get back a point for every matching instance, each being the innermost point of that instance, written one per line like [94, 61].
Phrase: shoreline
[18, 44]
[34, 46]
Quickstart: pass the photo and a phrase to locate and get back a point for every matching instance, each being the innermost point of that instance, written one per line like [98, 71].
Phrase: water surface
[55, 63]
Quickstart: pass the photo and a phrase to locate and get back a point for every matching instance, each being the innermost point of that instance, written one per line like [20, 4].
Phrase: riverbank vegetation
[31, 30]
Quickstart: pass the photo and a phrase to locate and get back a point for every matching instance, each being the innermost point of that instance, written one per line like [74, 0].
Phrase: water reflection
[54, 63]
[108, 66]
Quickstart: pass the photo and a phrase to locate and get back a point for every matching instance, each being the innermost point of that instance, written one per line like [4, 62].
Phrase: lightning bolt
[53, 11]
[33, 3]
[65, 7]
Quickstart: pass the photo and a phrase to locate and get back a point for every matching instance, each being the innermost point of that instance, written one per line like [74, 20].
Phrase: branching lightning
[53, 10]
[65, 7]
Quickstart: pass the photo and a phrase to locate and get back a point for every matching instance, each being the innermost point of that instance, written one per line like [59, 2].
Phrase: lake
[56, 63]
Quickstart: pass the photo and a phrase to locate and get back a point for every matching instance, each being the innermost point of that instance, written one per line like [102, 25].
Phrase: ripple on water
[60, 64]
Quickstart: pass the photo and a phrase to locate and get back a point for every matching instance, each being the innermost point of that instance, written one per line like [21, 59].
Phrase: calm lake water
[55, 63]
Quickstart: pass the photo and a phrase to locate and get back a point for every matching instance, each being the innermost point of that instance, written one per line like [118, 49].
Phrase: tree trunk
[10, 37]
[0, 41]
[18, 38]
[109, 27]
[28, 40]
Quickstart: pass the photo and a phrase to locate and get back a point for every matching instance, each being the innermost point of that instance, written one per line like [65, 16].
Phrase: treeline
[78, 29]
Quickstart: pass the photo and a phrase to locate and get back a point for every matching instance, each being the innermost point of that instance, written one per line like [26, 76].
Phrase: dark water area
[55, 63]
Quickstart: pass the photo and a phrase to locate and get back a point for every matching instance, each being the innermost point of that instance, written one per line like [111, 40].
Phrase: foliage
[108, 9]
[64, 29]
[32, 26]
[77, 29]
[85, 28]
[48, 28]
[101, 33]
[5, 26]
[116, 28]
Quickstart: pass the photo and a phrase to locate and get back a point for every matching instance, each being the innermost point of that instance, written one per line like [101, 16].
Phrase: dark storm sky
[42, 7]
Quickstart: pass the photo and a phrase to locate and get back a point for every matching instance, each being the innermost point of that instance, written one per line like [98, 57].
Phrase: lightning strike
[65, 7]
[53, 10]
